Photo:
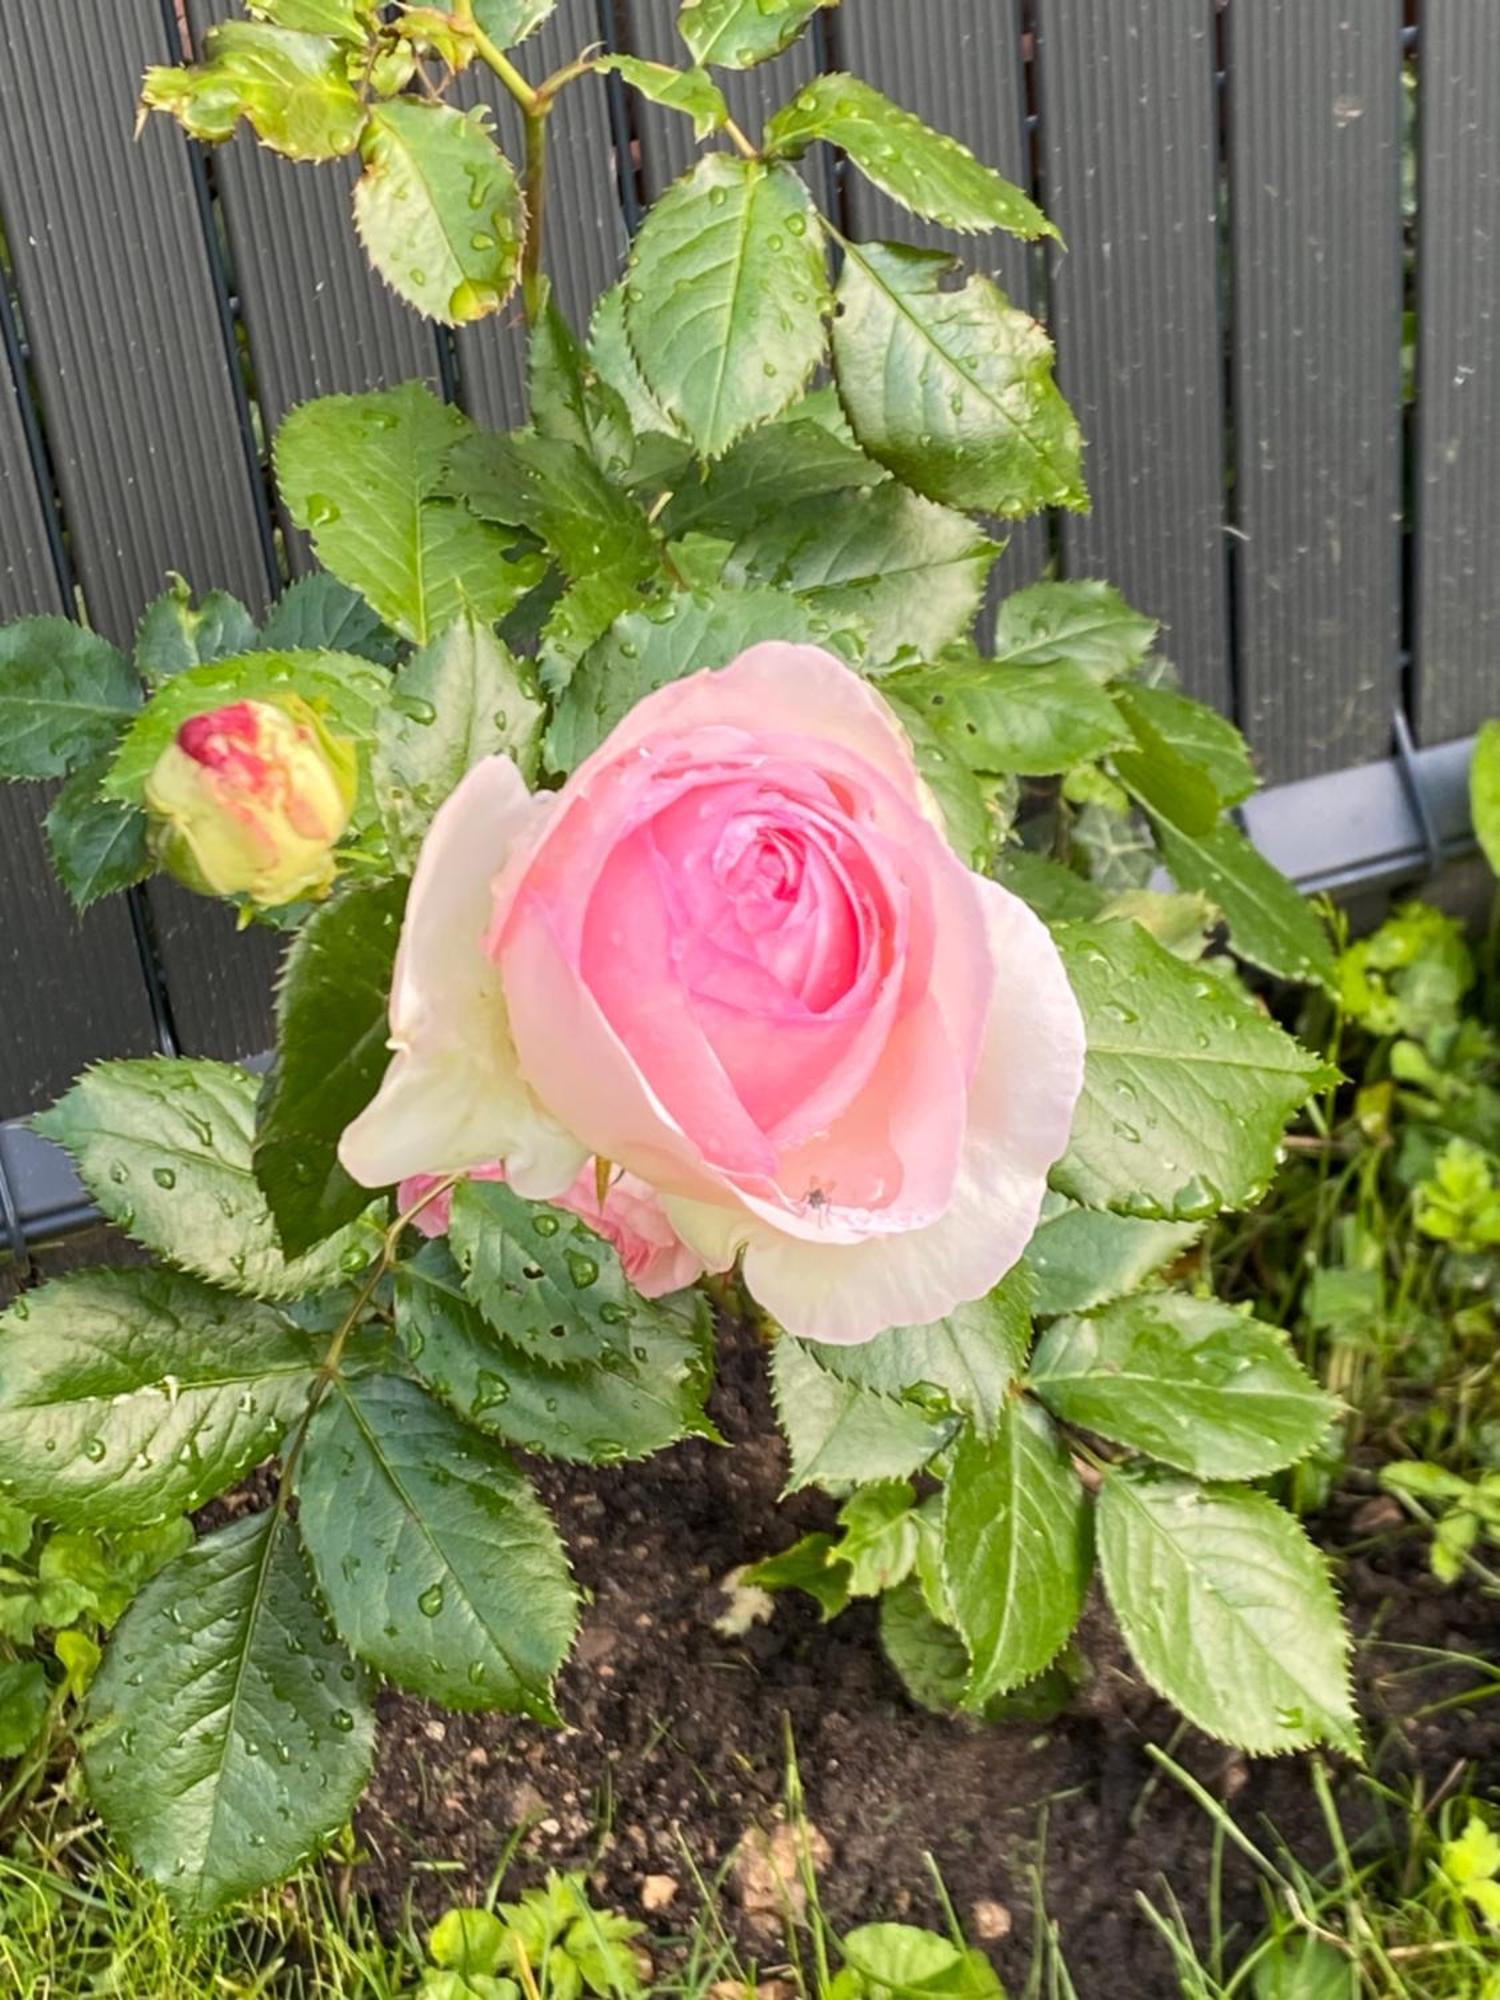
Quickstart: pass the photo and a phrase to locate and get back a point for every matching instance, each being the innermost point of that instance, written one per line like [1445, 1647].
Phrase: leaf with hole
[952, 390]
[1227, 1609]
[1187, 1085]
[621, 1404]
[1017, 1552]
[129, 1395]
[229, 1733]
[927, 172]
[439, 210]
[463, 698]
[364, 475]
[441, 1567]
[164, 1147]
[331, 1053]
[65, 695]
[1187, 1381]
[725, 297]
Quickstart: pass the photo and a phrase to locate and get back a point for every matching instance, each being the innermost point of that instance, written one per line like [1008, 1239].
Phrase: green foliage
[1227, 1610]
[98, 845]
[735, 34]
[321, 615]
[1080, 1258]
[952, 390]
[691, 91]
[364, 475]
[228, 1732]
[509, 21]
[1484, 792]
[1087, 625]
[840, 1434]
[330, 1056]
[165, 1149]
[65, 695]
[900, 1960]
[726, 295]
[1187, 1381]
[174, 634]
[441, 1567]
[292, 88]
[1034, 721]
[425, 164]
[927, 172]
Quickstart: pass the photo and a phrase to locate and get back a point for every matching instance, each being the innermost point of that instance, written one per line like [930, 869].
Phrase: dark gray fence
[1278, 315]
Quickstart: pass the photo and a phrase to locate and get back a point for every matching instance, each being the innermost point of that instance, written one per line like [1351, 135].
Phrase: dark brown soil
[676, 1739]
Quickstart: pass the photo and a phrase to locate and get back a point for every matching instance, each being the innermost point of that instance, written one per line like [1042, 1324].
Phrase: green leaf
[164, 1147]
[1034, 721]
[173, 636]
[1484, 791]
[879, 1544]
[926, 171]
[644, 651]
[691, 91]
[292, 89]
[98, 845]
[726, 296]
[973, 828]
[1182, 923]
[735, 34]
[570, 400]
[331, 1053]
[840, 1434]
[1016, 1549]
[464, 698]
[621, 1404]
[1299, 1967]
[507, 22]
[609, 351]
[1083, 1257]
[364, 475]
[930, 1657]
[65, 695]
[318, 614]
[953, 390]
[546, 1281]
[1187, 1085]
[1227, 1609]
[1201, 736]
[775, 467]
[345, 20]
[899, 1959]
[24, 1698]
[129, 1395]
[439, 1563]
[965, 1363]
[347, 693]
[1086, 624]
[811, 1565]
[229, 1732]
[1271, 923]
[594, 532]
[439, 210]
[1052, 890]
[1168, 784]
[910, 573]
[1188, 1381]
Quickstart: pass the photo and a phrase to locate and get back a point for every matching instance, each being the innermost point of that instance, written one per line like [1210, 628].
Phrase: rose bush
[736, 956]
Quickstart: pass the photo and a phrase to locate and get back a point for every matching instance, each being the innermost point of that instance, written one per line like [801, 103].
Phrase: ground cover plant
[753, 942]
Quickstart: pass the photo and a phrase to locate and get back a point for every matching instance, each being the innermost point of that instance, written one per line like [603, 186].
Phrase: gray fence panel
[122, 313]
[668, 147]
[1314, 203]
[1457, 624]
[1130, 177]
[70, 988]
[584, 233]
[957, 64]
[318, 319]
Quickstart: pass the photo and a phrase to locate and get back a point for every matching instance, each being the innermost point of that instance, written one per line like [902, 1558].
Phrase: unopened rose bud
[249, 800]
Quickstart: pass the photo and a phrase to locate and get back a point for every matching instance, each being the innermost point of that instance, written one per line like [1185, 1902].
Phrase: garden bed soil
[676, 1737]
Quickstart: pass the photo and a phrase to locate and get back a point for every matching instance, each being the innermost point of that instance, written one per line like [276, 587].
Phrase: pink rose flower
[654, 1257]
[736, 956]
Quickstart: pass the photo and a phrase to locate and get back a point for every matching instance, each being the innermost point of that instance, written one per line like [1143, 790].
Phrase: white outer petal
[1020, 1114]
[452, 1097]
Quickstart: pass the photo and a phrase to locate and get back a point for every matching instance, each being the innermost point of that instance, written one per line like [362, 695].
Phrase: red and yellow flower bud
[251, 799]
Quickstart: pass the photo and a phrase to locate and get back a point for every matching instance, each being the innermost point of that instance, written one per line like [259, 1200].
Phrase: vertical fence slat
[1314, 204]
[668, 147]
[318, 319]
[1457, 624]
[123, 317]
[957, 64]
[70, 987]
[584, 234]
[1130, 174]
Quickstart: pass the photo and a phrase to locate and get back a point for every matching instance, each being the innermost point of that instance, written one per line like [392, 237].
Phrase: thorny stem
[534, 190]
